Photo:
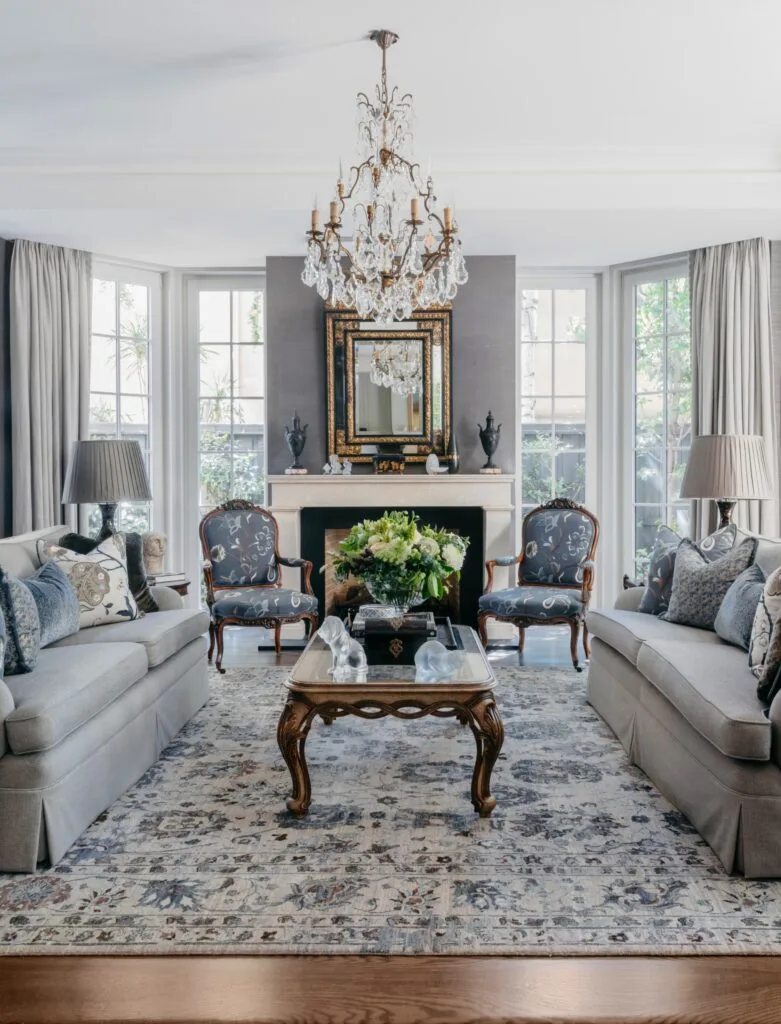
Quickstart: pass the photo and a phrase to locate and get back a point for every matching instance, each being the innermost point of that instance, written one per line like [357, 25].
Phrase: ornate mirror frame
[342, 329]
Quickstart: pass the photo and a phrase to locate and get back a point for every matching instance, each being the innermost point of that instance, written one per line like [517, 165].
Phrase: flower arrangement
[398, 561]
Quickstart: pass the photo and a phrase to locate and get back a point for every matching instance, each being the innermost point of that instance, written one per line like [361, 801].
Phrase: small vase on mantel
[455, 459]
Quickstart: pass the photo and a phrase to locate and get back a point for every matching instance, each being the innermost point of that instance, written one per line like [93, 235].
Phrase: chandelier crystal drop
[397, 365]
[405, 255]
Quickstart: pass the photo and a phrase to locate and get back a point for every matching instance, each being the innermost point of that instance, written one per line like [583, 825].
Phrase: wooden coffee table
[392, 690]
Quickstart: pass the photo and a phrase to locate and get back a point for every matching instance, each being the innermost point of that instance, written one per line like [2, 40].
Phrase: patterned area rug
[581, 855]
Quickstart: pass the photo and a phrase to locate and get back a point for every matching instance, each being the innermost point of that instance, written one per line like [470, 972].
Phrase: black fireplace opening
[468, 521]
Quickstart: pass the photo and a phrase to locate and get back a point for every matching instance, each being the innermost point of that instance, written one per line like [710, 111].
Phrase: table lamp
[105, 473]
[729, 468]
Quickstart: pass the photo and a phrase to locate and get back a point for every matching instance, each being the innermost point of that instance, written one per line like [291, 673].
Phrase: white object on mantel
[493, 471]
[296, 472]
[369, 493]
[432, 464]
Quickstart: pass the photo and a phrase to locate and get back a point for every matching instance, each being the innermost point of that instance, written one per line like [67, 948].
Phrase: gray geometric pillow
[656, 596]
[700, 586]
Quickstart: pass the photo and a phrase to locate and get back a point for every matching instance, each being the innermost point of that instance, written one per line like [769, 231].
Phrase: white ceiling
[568, 132]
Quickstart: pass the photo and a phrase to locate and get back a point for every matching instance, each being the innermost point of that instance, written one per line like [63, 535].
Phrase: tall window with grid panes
[232, 389]
[661, 340]
[553, 395]
[120, 381]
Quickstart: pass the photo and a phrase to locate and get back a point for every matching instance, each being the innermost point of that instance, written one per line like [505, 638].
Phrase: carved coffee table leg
[489, 736]
[292, 731]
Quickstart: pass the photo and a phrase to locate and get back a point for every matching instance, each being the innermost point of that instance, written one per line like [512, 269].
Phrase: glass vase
[397, 599]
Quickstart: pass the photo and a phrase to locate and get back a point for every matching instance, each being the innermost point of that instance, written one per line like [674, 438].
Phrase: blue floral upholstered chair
[555, 574]
[243, 577]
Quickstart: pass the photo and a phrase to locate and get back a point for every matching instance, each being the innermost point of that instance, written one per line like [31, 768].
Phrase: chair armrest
[167, 600]
[502, 560]
[207, 579]
[306, 575]
[629, 600]
[6, 707]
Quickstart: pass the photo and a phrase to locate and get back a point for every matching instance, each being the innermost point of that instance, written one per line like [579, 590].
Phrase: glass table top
[464, 668]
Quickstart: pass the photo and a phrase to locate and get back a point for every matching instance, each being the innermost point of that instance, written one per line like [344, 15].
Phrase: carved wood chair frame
[213, 590]
[522, 622]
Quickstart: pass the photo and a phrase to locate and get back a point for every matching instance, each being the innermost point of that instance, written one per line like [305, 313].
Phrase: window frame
[588, 282]
[651, 273]
[123, 273]
[194, 285]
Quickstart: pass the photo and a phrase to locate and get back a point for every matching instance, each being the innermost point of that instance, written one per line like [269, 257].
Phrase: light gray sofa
[683, 704]
[93, 715]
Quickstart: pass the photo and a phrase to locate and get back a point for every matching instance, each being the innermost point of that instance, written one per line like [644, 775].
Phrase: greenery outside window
[123, 336]
[661, 341]
[553, 395]
[231, 351]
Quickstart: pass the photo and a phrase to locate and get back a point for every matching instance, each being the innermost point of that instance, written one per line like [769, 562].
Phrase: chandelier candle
[397, 263]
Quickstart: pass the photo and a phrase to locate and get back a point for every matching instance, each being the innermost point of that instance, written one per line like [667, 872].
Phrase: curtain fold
[732, 363]
[50, 367]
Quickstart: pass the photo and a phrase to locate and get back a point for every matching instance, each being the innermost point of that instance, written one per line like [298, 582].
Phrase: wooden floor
[390, 990]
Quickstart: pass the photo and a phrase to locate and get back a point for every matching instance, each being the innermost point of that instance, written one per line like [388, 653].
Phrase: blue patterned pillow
[55, 598]
[659, 587]
[22, 626]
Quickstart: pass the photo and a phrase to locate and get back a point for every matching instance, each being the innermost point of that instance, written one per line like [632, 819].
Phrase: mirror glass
[380, 410]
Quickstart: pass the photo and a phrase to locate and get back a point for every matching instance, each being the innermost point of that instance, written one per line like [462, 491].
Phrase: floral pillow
[99, 579]
[656, 599]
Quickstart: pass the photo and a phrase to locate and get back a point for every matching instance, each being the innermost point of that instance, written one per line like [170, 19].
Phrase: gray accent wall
[483, 361]
[5, 392]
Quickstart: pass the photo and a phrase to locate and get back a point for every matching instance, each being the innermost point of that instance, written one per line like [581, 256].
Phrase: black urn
[296, 439]
[489, 439]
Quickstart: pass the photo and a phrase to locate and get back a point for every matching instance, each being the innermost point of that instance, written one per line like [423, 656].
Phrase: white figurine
[434, 663]
[348, 663]
[154, 545]
[333, 466]
[347, 467]
[432, 464]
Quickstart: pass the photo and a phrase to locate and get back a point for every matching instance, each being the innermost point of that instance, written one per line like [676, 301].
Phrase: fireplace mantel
[372, 493]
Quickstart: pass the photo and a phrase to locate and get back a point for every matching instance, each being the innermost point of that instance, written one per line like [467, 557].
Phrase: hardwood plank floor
[390, 990]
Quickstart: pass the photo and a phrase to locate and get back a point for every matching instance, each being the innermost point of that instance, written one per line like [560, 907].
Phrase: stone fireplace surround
[491, 496]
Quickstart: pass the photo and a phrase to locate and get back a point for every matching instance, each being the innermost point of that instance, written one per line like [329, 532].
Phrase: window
[659, 309]
[124, 308]
[231, 353]
[553, 394]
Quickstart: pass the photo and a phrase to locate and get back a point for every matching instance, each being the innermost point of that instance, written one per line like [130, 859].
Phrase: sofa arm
[629, 600]
[6, 707]
[167, 600]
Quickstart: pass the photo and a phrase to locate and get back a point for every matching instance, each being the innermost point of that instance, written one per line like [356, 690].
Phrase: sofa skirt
[48, 799]
[735, 805]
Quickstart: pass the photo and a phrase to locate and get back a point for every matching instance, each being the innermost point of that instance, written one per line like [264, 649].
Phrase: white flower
[429, 546]
[453, 556]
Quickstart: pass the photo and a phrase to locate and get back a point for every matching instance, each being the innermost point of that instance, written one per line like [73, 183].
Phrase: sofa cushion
[100, 580]
[160, 633]
[19, 555]
[66, 689]
[661, 571]
[712, 687]
[136, 570]
[768, 556]
[626, 631]
[699, 586]
[533, 602]
[252, 603]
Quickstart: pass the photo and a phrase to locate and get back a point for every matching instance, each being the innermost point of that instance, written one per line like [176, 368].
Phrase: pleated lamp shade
[728, 467]
[106, 472]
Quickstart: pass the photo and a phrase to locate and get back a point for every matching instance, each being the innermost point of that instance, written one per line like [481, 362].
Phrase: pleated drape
[50, 292]
[732, 363]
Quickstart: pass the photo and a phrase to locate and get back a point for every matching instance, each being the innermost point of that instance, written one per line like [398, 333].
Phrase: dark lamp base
[108, 510]
[725, 512]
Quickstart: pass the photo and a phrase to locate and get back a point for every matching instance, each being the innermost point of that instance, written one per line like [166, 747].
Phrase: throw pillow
[699, 586]
[735, 618]
[55, 599]
[100, 580]
[767, 614]
[136, 570]
[2, 643]
[656, 598]
[22, 628]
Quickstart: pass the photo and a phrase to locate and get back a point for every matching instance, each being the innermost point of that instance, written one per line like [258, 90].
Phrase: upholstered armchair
[243, 577]
[555, 574]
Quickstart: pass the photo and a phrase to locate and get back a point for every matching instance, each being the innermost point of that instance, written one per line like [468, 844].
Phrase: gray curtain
[50, 352]
[732, 362]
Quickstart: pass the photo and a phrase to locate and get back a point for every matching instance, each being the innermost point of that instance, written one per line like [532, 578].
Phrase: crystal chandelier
[403, 257]
[396, 365]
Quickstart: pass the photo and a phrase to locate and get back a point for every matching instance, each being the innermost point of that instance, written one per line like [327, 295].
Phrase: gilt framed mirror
[389, 385]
